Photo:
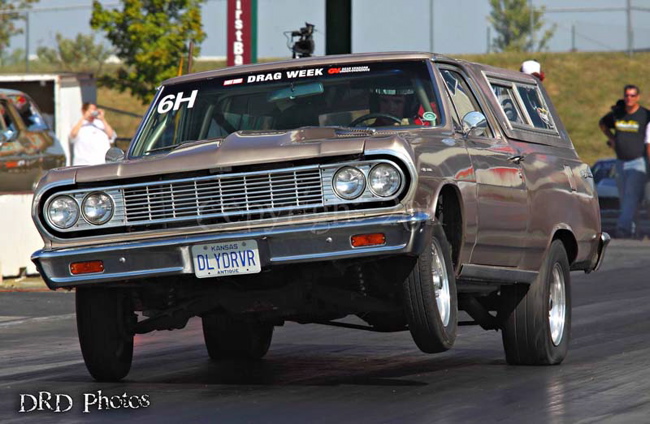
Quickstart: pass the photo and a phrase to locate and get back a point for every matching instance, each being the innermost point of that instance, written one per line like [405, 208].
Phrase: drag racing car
[384, 192]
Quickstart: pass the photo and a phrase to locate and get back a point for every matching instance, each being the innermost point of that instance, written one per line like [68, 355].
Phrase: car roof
[346, 58]
[11, 92]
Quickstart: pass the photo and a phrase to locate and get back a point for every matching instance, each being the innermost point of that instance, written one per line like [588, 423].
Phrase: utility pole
[573, 37]
[489, 40]
[26, 42]
[628, 10]
[431, 25]
[532, 27]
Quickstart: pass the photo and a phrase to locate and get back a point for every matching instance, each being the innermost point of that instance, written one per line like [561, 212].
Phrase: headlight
[384, 180]
[349, 183]
[62, 212]
[97, 208]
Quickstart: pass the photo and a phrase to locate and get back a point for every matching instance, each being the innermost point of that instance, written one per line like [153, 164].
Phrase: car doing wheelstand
[399, 188]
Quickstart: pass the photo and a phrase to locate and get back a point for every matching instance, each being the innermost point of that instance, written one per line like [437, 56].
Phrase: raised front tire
[104, 324]
[228, 338]
[538, 327]
[431, 302]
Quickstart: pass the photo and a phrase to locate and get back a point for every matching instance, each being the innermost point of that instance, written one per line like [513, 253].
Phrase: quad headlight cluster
[64, 211]
[375, 180]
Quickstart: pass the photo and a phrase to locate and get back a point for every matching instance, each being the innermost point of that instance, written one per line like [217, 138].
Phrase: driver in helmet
[398, 106]
[391, 105]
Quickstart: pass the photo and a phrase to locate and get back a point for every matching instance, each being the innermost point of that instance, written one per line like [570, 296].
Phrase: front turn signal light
[364, 240]
[89, 267]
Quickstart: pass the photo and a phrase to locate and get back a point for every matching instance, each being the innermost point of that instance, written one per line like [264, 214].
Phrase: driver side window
[461, 95]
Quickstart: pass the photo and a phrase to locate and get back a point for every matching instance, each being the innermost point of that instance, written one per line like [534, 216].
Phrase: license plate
[226, 259]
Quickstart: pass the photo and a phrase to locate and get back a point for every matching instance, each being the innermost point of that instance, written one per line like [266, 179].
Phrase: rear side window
[536, 107]
[523, 105]
[508, 102]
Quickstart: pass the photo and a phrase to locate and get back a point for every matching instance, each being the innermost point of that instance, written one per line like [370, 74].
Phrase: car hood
[241, 148]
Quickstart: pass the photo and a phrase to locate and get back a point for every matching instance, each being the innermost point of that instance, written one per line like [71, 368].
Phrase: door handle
[517, 159]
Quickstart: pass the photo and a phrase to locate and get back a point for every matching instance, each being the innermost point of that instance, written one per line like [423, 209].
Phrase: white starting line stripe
[5, 319]
[5, 373]
[8, 321]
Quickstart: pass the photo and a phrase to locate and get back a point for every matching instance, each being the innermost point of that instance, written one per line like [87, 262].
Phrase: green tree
[12, 57]
[150, 37]
[9, 14]
[512, 21]
[80, 54]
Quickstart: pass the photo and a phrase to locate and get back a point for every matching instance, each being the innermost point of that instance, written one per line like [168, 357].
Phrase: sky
[459, 26]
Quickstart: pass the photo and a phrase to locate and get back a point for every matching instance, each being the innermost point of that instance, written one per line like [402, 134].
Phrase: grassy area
[583, 86]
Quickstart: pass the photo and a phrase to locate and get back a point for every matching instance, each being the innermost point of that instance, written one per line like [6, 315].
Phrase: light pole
[532, 26]
[630, 44]
[431, 26]
[26, 42]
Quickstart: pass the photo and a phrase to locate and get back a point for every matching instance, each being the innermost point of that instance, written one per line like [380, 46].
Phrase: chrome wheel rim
[440, 283]
[557, 305]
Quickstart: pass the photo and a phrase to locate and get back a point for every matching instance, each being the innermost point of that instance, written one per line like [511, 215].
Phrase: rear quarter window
[537, 109]
[523, 105]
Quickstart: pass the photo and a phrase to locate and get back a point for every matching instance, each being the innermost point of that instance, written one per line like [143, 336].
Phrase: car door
[502, 197]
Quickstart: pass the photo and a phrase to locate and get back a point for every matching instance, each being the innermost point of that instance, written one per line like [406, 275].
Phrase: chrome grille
[223, 195]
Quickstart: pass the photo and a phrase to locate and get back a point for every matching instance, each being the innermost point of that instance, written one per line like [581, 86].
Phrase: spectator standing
[631, 142]
[91, 136]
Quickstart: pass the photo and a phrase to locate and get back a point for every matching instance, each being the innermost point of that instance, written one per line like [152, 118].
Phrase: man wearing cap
[532, 67]
[631, 142]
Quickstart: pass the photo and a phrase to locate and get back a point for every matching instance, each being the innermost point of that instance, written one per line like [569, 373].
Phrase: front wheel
[431, 302]
[537, 328]
[104, 324]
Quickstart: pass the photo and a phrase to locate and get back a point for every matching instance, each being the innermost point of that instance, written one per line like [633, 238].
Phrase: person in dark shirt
[631, 142]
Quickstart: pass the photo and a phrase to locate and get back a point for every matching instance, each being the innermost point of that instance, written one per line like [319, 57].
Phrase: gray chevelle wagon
[399, 188]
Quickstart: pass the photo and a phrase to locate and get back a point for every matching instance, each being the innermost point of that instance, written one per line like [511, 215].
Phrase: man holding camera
[91, 136]
[631, 142]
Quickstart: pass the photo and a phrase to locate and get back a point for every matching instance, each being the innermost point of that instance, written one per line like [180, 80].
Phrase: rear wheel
[431, 302]
[538, 328]
[229, 338]
[104, 323]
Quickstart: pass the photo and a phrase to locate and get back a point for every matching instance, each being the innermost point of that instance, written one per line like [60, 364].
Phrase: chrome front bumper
[328, 241]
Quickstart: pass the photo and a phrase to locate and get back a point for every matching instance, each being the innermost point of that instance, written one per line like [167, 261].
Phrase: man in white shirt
[91, 136]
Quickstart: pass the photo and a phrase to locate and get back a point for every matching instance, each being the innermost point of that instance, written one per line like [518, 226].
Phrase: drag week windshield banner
[242, 32]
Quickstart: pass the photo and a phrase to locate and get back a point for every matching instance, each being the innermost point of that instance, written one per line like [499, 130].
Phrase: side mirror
[114, 154]
[474, 124]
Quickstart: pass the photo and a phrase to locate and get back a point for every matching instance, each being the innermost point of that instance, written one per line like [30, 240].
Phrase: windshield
[29, 113]
[382, 94]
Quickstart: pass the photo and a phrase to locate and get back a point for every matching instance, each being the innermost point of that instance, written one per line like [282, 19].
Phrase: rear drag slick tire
[538, 329]
[229, 338]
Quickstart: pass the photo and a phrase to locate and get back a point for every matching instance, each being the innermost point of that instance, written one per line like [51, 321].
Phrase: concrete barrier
[18, 235]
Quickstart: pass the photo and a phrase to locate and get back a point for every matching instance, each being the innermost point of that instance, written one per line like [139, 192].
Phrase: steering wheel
[374, 115]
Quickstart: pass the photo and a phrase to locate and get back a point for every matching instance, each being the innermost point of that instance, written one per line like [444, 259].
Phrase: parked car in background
[393, 187]
[28, 147]
[604, 171]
